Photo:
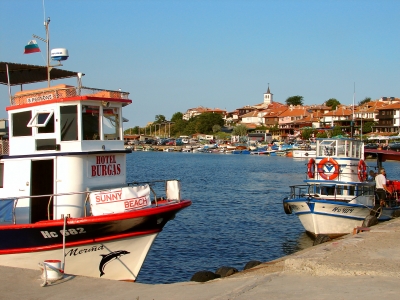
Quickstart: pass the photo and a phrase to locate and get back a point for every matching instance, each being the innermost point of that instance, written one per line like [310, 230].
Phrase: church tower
[268, 97]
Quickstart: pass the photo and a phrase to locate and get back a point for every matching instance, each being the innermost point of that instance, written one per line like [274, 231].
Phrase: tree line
[212, 123]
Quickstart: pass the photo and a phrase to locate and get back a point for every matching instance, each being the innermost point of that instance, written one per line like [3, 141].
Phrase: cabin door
[42, 183]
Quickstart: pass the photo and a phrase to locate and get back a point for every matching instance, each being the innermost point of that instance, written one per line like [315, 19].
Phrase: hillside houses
[288, 121]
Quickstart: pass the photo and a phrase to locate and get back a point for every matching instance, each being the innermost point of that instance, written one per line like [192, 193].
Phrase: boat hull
[116, 259]
[332, 218]
[90, 242]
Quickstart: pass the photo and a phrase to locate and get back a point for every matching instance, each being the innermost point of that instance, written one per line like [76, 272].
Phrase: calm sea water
[236, 215]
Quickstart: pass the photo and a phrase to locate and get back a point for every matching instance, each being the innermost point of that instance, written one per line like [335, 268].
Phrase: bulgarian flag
[32, 47]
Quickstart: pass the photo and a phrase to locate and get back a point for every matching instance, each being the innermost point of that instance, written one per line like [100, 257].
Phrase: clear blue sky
[176, 55]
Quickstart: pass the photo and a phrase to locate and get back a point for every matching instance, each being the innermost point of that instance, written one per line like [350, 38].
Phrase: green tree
[274, 129]
[178, 116]
[240, 130]
[366, 100]
[367, 127]
[134, 130]
[333, 103]
[222, 135]
[190, 128]
[206, 121]
[178, 127]
[306, 133]
[322, 134]
[216, 128]
[337, 130]
[294, 100]
[159, 119]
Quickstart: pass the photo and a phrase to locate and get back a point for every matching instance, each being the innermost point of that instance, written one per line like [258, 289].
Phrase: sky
[173, 55]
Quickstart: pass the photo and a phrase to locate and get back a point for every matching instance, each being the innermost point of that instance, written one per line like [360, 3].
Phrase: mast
[46, 40]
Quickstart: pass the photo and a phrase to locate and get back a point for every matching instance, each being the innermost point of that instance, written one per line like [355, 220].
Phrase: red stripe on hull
[105, 218]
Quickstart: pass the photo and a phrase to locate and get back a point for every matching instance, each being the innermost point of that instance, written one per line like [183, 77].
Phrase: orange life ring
[362, 170]
[331, 162]
[311, 168]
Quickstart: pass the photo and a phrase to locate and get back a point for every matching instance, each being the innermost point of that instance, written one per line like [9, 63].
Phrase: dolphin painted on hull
[110, 257]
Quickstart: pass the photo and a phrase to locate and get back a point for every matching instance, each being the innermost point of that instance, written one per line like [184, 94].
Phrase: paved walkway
[365, 265]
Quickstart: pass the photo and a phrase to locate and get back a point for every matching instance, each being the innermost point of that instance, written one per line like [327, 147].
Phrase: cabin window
[49, 128]
[20, 123]
[41, 119]
[90, 122]
[69, 123]
[111, 123]
[46, 144]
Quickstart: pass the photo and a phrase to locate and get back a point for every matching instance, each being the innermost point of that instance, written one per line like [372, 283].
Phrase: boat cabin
[340, 148]
[61, 139]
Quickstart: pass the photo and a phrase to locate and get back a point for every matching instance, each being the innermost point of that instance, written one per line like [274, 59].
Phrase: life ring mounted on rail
[311, 168]
[329, 163]
[362, 170]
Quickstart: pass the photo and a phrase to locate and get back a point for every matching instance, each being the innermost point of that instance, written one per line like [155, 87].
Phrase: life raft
[328, 161]
[362, 170]
[311, 168]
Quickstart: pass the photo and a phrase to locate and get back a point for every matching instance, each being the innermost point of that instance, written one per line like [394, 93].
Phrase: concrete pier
[364, 265]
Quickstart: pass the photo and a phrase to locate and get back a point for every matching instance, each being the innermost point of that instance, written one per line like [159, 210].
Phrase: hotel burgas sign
[105, 165]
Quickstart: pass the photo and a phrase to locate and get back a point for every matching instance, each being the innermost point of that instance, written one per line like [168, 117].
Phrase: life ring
[362, 170]
[332, 162]
[311, 168]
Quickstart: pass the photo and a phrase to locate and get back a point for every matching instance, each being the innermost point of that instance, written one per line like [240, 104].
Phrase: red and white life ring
[330, 162]
[362, 170]
[311, 168]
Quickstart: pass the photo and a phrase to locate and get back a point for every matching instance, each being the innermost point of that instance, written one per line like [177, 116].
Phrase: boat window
[20, 123]
[40, 119]
[49, 128]
[339, 190]
[46, 144]
[69, 123]
[90, 122]
[327, 190]
[111, 123]
[351, 190]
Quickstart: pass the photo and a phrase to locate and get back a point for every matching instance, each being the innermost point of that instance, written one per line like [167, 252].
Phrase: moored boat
[302, 153]
[64, 195]
[336, 198]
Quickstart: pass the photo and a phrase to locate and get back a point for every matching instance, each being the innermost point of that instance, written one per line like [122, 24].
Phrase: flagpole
[46, 40]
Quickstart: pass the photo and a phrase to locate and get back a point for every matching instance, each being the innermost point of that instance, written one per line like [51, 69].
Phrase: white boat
[64, 197]
[336, 198]
[300, 153]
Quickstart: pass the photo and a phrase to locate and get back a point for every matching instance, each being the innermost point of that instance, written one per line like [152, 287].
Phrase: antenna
[58, 54]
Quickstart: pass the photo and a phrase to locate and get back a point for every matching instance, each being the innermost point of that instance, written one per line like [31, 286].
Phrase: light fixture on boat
[103, 147]
[105, 103]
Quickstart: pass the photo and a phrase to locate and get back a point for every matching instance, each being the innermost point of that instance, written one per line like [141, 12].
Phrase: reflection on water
[302, 242]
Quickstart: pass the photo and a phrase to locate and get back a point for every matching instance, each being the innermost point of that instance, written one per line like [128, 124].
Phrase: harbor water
[236, 215]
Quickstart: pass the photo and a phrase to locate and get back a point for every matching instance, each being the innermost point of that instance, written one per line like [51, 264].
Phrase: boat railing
[298, 191]
[170, 187]
[63, 91]
[331, 192]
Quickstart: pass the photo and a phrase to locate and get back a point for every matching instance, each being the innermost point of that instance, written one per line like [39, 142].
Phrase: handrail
[87, 192]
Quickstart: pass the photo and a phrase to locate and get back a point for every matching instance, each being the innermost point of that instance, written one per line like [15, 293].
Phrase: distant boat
[298, 153]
